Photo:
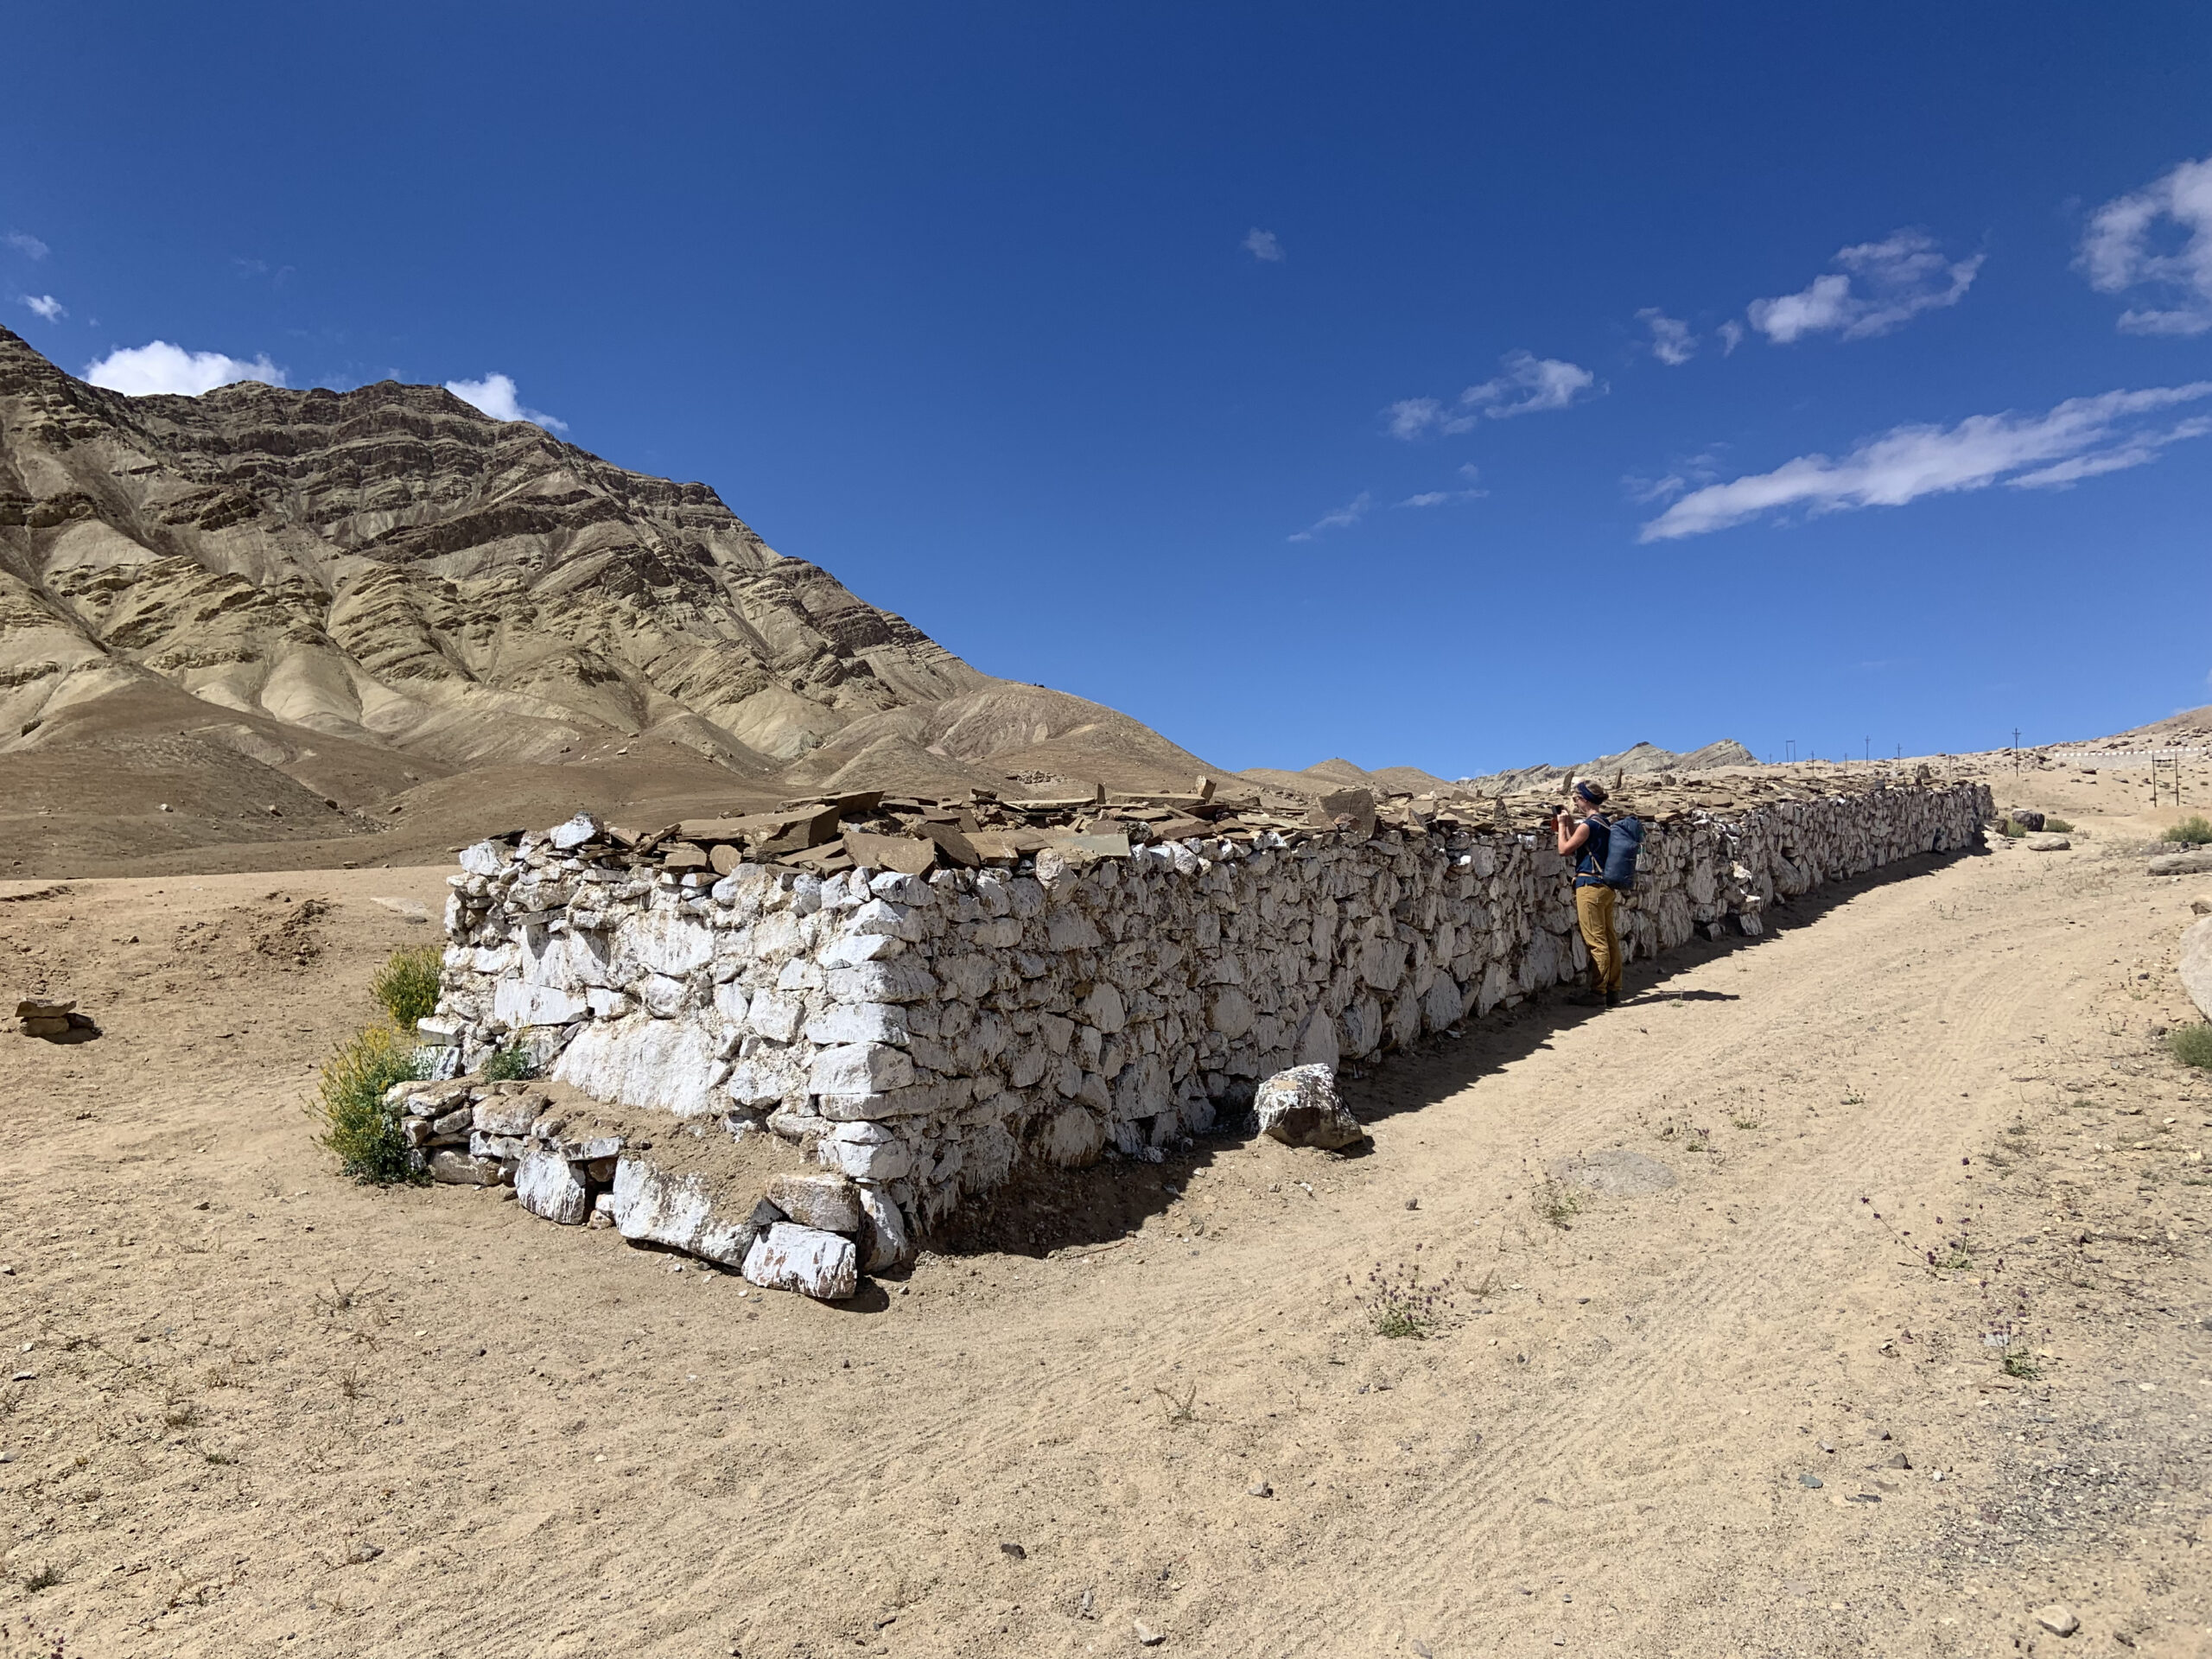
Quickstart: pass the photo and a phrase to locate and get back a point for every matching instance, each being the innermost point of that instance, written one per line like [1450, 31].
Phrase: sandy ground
[258, 1410]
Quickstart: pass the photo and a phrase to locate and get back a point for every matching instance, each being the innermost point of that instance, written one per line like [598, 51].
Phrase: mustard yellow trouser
[1593, 909]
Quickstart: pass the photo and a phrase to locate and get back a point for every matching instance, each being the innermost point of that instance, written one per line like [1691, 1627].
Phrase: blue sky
[1426, 385]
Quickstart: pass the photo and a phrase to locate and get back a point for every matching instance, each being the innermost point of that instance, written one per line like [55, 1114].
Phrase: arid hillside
[369, 590]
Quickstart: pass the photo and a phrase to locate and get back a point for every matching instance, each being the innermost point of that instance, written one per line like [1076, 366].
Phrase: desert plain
[1913, 1352]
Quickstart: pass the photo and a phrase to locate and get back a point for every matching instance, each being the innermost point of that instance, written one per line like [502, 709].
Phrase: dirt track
[243, 1371]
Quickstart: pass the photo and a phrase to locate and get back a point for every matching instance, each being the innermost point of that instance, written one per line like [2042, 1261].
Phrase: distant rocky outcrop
[1637, 759]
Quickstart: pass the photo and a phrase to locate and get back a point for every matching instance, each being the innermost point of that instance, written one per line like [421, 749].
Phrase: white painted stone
[1229, 1012]
[683, 1213]
[661, 942]
[517, 1004]
[1104, 1008]
[829, 1202]
[855, 948]
[864, 1022]
[546, 1186]
[867, 1151]
[662, 1063]
[485, 858]
[804, 1259]
[661, 996]
[861, 1069]
[576, 831]
[887, 1240]
[902, 979]
[775, 1016]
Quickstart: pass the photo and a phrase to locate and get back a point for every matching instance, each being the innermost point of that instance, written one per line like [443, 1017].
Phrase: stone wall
[922, 1033]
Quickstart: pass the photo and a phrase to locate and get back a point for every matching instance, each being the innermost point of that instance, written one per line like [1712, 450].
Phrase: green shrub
[2192, 832]
[2191, 1044]
[510, 1065]
[2058, 826]
[407, 986]
[2006, 827]
[357, 1125]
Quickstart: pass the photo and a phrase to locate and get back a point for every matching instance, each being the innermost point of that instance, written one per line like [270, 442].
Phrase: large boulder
[805, 1259]
[2026, 817]
[2197, 863]
[1300, 1108]
[2196, 966]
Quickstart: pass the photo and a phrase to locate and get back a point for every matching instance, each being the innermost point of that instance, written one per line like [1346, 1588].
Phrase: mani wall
[920, 1033]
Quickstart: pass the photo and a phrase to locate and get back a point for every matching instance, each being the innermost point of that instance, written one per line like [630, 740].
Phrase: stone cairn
[920, 994]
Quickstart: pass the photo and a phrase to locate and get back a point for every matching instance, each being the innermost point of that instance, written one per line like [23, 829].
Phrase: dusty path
[246, 1373]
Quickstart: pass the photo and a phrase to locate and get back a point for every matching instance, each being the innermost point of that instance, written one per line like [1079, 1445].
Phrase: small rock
[1260, 1489]
[2048, 843]
[1811, 1483]
[364, 1554]
[1147, 1637]
[1899, 1460]
[1300, 1108]
[2026, 817]
[1013, 1551]
[2057, 1618]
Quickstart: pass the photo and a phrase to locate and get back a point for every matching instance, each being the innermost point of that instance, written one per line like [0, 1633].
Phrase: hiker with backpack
[1604, 852]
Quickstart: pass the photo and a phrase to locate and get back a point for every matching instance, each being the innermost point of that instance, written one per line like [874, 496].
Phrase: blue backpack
[1625, 841]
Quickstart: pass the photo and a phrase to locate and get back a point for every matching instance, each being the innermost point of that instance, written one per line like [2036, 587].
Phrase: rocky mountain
[370, 588]
[1636, 760]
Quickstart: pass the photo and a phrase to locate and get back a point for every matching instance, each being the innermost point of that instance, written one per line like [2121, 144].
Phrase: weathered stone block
[1300, 1108]
[829, 1202]
[546, 1184]
[804, 1259]
[683, 1213]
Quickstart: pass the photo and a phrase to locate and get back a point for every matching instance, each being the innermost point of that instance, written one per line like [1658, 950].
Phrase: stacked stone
[919, 1034]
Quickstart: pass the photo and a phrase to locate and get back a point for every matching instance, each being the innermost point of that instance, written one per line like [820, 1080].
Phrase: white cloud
[1672, 343]
[1442, 498]
[2117, 252]
[1731, 336]
[2080, 438]
[1529, 384]
[495, 394]
[137, 371]
[49, 309]
[1343, 518]
[1263, 246]
[1411, 417]
[1882, 285]
[29, 246]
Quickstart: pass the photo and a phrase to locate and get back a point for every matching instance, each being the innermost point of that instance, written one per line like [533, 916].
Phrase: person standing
[1586, 840]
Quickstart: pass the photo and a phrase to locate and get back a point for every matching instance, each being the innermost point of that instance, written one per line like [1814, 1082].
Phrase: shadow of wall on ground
[1045, 1209]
